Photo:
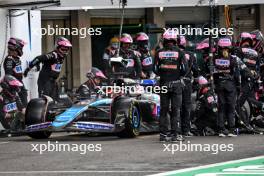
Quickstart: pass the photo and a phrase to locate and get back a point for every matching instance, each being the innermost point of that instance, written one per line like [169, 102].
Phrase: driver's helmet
[10, 85]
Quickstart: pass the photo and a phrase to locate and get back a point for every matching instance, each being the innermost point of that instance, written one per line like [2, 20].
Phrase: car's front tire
[36, 114]
[132, 123]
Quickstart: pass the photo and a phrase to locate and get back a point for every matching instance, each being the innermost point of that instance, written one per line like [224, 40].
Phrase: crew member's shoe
[163, 137]
[177, 138]
[188, 134]
[232, 134]
[221, 134]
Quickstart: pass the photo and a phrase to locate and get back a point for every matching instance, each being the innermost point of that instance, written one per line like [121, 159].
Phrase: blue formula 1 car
[126, 115]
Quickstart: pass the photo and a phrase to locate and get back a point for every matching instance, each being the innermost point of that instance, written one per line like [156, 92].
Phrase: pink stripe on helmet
[12, 41]
[64, 43]
[15, 41]
[101, 75]
[170, 34]
[125, 40]
[202, 80]
[253, 36]
[23, 42]
[142, 38]
[246, 35]
[202, 46]
[15, 83]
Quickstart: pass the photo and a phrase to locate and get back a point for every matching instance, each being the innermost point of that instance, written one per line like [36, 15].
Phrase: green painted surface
[257, 169]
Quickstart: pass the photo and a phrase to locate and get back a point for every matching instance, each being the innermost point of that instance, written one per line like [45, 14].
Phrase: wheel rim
[135, 117]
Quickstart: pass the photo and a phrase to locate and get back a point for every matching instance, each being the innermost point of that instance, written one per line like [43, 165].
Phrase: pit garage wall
[4, 35]
[26, 25]
[186, 15]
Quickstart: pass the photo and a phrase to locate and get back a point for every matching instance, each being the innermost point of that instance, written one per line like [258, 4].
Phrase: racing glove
[38, 67]
[26, 72]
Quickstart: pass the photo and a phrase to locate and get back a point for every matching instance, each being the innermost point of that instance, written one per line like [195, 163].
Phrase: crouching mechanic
[226, 78]
[169, 65]
[12, 65]
[52, 64]
[251, 59]
[89, 89]
[12, 109]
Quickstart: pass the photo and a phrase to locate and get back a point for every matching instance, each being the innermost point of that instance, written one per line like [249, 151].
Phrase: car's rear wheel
[132, 123]
[39, 134]
[245, 114]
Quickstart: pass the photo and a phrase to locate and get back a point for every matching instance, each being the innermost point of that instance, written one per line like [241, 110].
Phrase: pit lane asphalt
[141, 156]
